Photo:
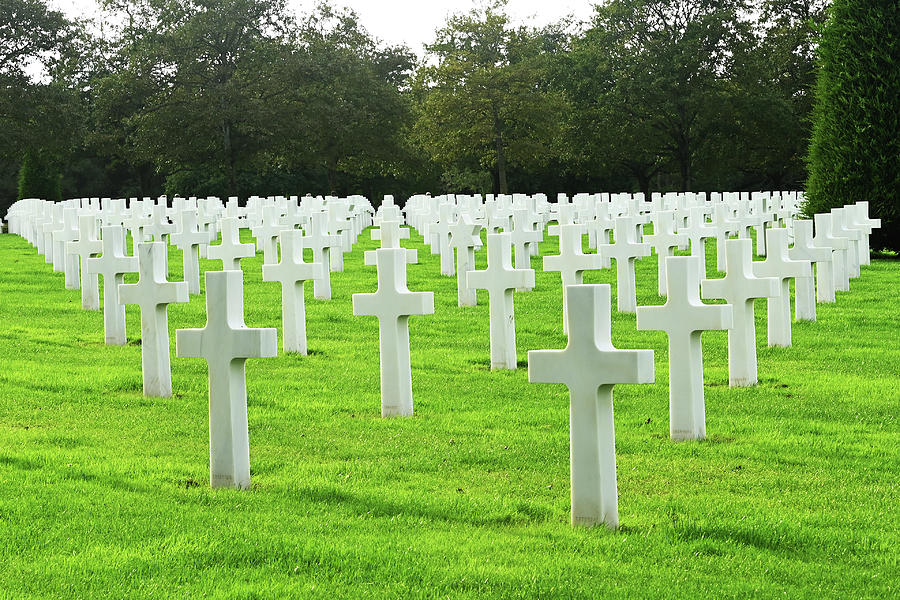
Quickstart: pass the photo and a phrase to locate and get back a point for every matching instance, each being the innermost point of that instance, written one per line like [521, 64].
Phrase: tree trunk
[229, 158]
[644, 183]
[684, 164]
[501, 154]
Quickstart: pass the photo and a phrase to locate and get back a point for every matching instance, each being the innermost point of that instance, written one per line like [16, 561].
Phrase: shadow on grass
[484, 364]
[523, 513]
[763, 539]
[19, 463]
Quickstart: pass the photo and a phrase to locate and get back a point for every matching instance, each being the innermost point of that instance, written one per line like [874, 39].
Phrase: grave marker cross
[87, 245]
[226, 344]
[664, 240]
[779, 265]
[152, 293]
[624, 251]
[740, 288]
[112, 265]
[838, 248]
[231, 250]
[464, 237]
[321, 242]
[571, 262]
[500, 280]
[291, 271]
[189, 238]
[684, 318]
[804, 287]
[393, 304]
[589, 366]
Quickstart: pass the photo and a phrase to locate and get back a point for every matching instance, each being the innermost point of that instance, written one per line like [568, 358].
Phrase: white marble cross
[152, 293]
[292, 272]
[522, 236]
[664, 240]
[624, 250]
[500, 280]
[189, 238]
[464, 237]
[804, 288]
[112, 265]
[266, 234]
[393, 304]
[322, 244]
[389, 232]
[859, 215]
[779, 265]
[838, 247]
[740, 288]
[698, 232]
[684, 318]
[231, 250]
[441, 231]
[87, 245]
[571, 262]
[839, 228]
[590, 365]
[226, 343]
[62, 259]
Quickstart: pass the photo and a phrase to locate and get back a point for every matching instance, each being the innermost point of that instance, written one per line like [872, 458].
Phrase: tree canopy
[240, 97]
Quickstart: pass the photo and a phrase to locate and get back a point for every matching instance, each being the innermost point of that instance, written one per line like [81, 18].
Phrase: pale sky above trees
[410, 22]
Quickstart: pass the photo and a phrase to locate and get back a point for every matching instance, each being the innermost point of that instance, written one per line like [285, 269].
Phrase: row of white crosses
[225, 342]
[683, 317]
[589, 365]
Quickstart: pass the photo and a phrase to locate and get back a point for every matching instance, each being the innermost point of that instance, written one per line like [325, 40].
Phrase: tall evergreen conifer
[39, 178]
[855, 148]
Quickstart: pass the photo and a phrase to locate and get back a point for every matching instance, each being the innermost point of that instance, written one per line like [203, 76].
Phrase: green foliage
[105, 493]
[38, 178]
[486, 104]
[243, 96]
[36, 115]
[854, 154]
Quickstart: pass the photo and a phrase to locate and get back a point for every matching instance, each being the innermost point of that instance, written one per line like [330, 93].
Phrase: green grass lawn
[105, 493]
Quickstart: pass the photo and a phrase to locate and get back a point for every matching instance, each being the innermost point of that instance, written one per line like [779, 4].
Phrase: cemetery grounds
[104, 493]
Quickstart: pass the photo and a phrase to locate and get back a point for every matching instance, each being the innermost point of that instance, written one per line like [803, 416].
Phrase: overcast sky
[412, 22]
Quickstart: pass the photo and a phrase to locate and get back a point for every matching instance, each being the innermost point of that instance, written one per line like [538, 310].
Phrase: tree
[39, 178]
[203, 84]
[661, 88]
[350, 111]
[854, 154]
[32, 112]
[486, 103]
